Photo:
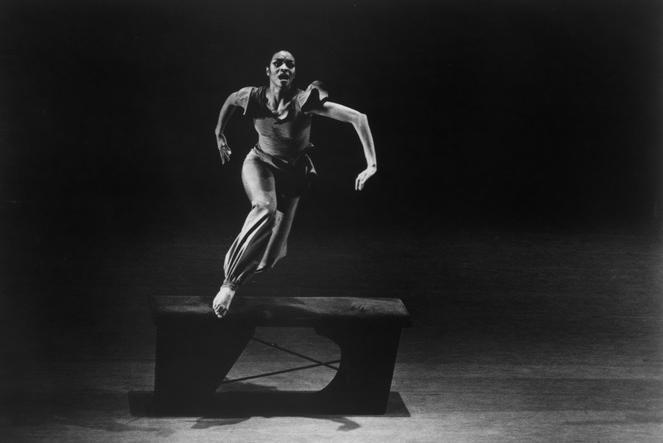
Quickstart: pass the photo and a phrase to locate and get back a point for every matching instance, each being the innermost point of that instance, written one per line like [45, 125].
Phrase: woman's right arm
[227, 111]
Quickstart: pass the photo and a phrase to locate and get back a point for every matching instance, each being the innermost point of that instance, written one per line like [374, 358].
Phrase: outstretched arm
[360, 123]
[227, 111]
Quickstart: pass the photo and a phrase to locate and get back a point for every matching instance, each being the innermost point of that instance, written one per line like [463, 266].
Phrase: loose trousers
[273, 187]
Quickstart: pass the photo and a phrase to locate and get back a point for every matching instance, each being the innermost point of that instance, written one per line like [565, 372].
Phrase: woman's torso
[284, 135]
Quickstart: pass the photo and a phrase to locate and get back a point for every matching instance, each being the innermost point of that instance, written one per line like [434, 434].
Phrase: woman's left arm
[360, 123]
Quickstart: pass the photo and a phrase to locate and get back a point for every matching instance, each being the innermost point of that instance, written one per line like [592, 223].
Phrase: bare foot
[221, 303]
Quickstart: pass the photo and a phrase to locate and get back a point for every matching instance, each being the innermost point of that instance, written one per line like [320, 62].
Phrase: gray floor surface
[516, 337]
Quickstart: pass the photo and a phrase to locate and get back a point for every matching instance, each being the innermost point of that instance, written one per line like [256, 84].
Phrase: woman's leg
[247, 251]
[294, 183]
[277, 247]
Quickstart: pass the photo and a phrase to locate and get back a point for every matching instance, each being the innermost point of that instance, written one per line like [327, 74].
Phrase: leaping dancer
[277, 170]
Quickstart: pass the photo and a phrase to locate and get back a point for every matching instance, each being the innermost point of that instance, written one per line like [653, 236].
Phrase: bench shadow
[346, 424]
[285, 403]
[251, 400]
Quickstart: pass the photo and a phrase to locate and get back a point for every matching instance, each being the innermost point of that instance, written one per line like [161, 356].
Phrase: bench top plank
[284, 311]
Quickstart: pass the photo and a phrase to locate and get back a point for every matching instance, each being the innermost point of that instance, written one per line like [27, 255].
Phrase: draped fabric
[249, 98]
[246, 253]
[285, 134]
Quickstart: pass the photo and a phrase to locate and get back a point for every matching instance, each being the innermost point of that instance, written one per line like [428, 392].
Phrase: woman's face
[281, 69]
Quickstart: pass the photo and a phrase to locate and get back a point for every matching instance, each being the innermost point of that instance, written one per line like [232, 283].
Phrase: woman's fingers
[224, 149]
[361, 179]
[225, 155]
[359, 182]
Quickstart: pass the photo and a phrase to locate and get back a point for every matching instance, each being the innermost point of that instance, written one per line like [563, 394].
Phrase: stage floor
[526, 336]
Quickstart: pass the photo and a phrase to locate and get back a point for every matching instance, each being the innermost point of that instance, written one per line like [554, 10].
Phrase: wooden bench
[195, 351]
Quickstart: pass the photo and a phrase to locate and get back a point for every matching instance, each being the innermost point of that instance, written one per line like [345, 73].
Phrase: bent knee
[266, 206]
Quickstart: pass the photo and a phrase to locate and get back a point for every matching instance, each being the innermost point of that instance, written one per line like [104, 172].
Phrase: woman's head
[281, 69]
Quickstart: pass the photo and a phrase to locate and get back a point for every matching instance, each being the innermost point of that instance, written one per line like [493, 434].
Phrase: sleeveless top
[285, 135]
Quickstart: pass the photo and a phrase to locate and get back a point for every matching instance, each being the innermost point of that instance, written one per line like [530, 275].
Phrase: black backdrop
[510, 112]
[486, 114]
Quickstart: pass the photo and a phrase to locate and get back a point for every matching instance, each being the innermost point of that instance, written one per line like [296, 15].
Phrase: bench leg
[192, 358]
[368, 356]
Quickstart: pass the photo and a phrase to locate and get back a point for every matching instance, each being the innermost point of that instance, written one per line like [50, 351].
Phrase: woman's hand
[224, 149]
[364, 176]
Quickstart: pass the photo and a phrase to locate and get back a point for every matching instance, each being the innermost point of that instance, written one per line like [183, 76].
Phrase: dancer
[276, 171]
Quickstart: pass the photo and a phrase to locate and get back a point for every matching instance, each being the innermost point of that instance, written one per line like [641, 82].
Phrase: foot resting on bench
[221, 303]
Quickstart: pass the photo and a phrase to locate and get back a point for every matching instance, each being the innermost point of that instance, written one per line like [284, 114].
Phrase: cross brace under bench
[195, 351]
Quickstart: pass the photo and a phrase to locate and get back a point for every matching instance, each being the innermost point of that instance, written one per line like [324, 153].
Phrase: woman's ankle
[230, 285]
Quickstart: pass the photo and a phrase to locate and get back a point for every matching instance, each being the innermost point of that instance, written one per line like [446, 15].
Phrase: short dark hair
[269, 61]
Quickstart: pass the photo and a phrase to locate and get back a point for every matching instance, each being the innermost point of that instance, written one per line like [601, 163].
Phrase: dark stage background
[538, 112]
[508, 115]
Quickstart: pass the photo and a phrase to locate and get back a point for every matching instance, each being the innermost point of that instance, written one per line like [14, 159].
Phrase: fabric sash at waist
[284, 164]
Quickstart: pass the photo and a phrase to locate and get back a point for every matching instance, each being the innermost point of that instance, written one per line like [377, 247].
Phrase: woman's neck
[277, 94]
